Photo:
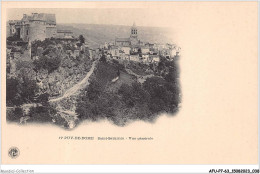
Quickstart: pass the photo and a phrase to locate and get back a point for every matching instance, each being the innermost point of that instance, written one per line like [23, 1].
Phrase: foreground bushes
[20, 91]
[131, 101]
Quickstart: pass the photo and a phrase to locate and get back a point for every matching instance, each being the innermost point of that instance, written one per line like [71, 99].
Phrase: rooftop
[64, 31]
[122, 40]
[48, 18]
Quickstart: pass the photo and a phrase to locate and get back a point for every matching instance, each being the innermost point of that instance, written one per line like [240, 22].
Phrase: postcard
[129, 83]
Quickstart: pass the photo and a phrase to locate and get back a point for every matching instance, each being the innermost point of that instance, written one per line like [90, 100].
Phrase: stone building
[131, 41]
[36, 26]
[66, 34]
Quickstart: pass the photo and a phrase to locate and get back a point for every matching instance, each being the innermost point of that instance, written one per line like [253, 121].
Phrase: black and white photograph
[129, 87]
[66, 73]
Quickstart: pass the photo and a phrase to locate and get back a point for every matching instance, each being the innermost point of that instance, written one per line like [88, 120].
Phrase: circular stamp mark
[13, 152]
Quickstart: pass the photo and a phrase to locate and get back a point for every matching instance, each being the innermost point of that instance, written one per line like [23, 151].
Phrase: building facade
[131, 41]
[64, 34]
[37, 26]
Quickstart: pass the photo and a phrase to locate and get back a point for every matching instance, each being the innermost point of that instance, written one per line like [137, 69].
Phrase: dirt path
[78, 86]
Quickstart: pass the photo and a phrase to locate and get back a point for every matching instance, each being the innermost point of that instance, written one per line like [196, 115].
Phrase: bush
[20, 91]
[163, 94]
[103, 58]
[42, 113]
[27, 89]
[43, 99]
[14, 115]
[97, 103]
[133, 95]
[12, 95]
[81, 39]
[130, 102]
[49, 63]
[14, 38]
[98, 108]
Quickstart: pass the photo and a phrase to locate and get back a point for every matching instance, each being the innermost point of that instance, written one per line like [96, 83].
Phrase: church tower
[134, 31]
[134, 36]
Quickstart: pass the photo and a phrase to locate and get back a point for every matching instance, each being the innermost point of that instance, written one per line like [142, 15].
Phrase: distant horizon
[123, 17]
[113, 24]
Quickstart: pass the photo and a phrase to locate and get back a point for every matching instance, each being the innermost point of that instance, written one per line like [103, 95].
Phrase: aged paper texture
[217, 119]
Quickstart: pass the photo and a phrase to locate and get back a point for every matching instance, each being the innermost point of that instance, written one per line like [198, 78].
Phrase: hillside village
[44, 63]
[41, 26]
[133, 49]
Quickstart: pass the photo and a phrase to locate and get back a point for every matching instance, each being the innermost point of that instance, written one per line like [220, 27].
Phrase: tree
[164, 94]
[53, 63]
[81, 39]
[42, 113]
[126, 92]
[20, 91]
[12, 92]
[43, 98]
[94, 90]
[172, 75]
[48, 63]
[28, 89]
[103, 58]
[14, 115]
[134, 94]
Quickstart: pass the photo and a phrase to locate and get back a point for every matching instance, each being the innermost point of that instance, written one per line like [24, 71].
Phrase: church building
[131, 41]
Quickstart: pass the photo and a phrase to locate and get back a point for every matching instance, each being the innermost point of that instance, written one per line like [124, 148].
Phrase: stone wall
[51, 32]
[25, 32]
[37, 31]
[10, 30]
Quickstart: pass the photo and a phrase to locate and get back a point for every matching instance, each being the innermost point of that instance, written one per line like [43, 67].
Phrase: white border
[129, 168]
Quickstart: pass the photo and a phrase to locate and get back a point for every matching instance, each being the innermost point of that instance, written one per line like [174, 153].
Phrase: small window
[27, 32]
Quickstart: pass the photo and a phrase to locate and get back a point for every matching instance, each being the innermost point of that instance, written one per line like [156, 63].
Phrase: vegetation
[81, 39]
[131, 101]
[42, 114]
[48, 63]
[20, 91]
[119, 100]
[14, 38]
[14, 115]
[139, 68]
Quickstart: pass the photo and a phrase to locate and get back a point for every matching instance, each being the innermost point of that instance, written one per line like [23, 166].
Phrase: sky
[119, 16]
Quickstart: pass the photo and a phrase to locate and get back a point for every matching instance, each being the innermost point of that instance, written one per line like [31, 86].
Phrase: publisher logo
[13, 152]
